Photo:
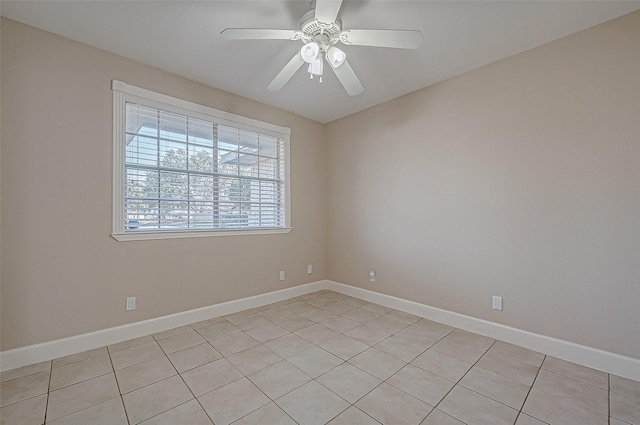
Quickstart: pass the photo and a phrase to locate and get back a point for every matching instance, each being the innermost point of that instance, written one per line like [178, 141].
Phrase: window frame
[123, 93]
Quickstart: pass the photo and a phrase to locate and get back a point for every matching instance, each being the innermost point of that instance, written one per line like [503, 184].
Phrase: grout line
[530, 388]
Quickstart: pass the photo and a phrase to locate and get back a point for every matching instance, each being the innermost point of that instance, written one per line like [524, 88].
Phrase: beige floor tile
[279, 379]
[266, 333]
[576, 371]
[343, 346]
[316, 333]
[552, 410]
[418, 335]
[367, 334]
[108, 413]
[25, 370]
[438, 417]
[315, 361]
[379, 364]
[436, 328]
[497, 387]
[626, 407]
[442, 365]
[208, 322]
[476, 409]
[349, 382]
[376, 308]
[421, 384]
[275, 314]
[211, 376]
[80, 371]
[26, 412]
[180, 341]
[389, 405]
[130, 343]
[577, 392]
[233, 401]
[81, 396]
[471, 338]
[288, 345]
[78, 357]
[294, 323]
[246, 321]
[400, 348]
[528, 420]
[622, 385]
[354, 301]
[360, 315]
[509, 368]
[217, 331]
[25, 387]
[338, 307]
[136, 354]
[312, 404]
[467, 352]
[254, 359]
[403, 317]
[625, 399]
[234, 343]
[193, 357]
[156, 398]
[319, 301]
[353, 416]
[298, 307]
[519, 353]
[271, 414]
[340, 324]
[317, 314]
[189, 413]
[314, 383]
[142, 374]
[172, 332]
[387, 324]
[613, 421]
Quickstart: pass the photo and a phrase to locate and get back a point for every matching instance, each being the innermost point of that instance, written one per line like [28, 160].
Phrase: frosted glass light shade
[310, 52]
[335, 56]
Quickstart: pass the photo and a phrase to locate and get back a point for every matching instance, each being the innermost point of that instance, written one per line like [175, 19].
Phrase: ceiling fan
[320, 30]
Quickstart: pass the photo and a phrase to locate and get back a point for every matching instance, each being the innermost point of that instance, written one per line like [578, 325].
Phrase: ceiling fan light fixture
[335, 56]
[310, 52]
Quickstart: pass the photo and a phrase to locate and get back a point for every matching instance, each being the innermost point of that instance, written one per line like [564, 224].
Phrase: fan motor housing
[312, 28]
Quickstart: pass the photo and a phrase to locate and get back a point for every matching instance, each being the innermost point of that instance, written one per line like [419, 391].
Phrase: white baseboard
[11, 359]
[598, 359]
[616, 364]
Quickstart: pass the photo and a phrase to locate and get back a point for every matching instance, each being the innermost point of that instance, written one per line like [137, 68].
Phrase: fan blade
[399, 39]
[287, 72]
[349, 79]
[259, 34]
[327, 10]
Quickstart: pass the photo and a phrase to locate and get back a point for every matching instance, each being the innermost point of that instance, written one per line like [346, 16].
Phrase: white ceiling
[183, 37]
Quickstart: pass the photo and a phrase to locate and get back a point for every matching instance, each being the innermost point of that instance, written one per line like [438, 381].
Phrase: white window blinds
[195, 173]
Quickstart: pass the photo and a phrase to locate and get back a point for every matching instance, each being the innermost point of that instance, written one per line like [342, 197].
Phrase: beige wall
[520, 179]
[62, 274]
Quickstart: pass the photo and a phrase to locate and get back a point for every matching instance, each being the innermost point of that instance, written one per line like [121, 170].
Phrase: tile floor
[315, 359]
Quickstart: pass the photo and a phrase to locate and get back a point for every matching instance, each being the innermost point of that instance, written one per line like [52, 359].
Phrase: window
[183, 170]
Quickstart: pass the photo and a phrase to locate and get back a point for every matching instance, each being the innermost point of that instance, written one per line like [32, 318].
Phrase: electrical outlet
[131, 303]
[372, 275]
[309, 269]
[497, 303]
[281, 274]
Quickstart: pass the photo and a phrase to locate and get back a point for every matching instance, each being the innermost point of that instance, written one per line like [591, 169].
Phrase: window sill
[143, 236]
